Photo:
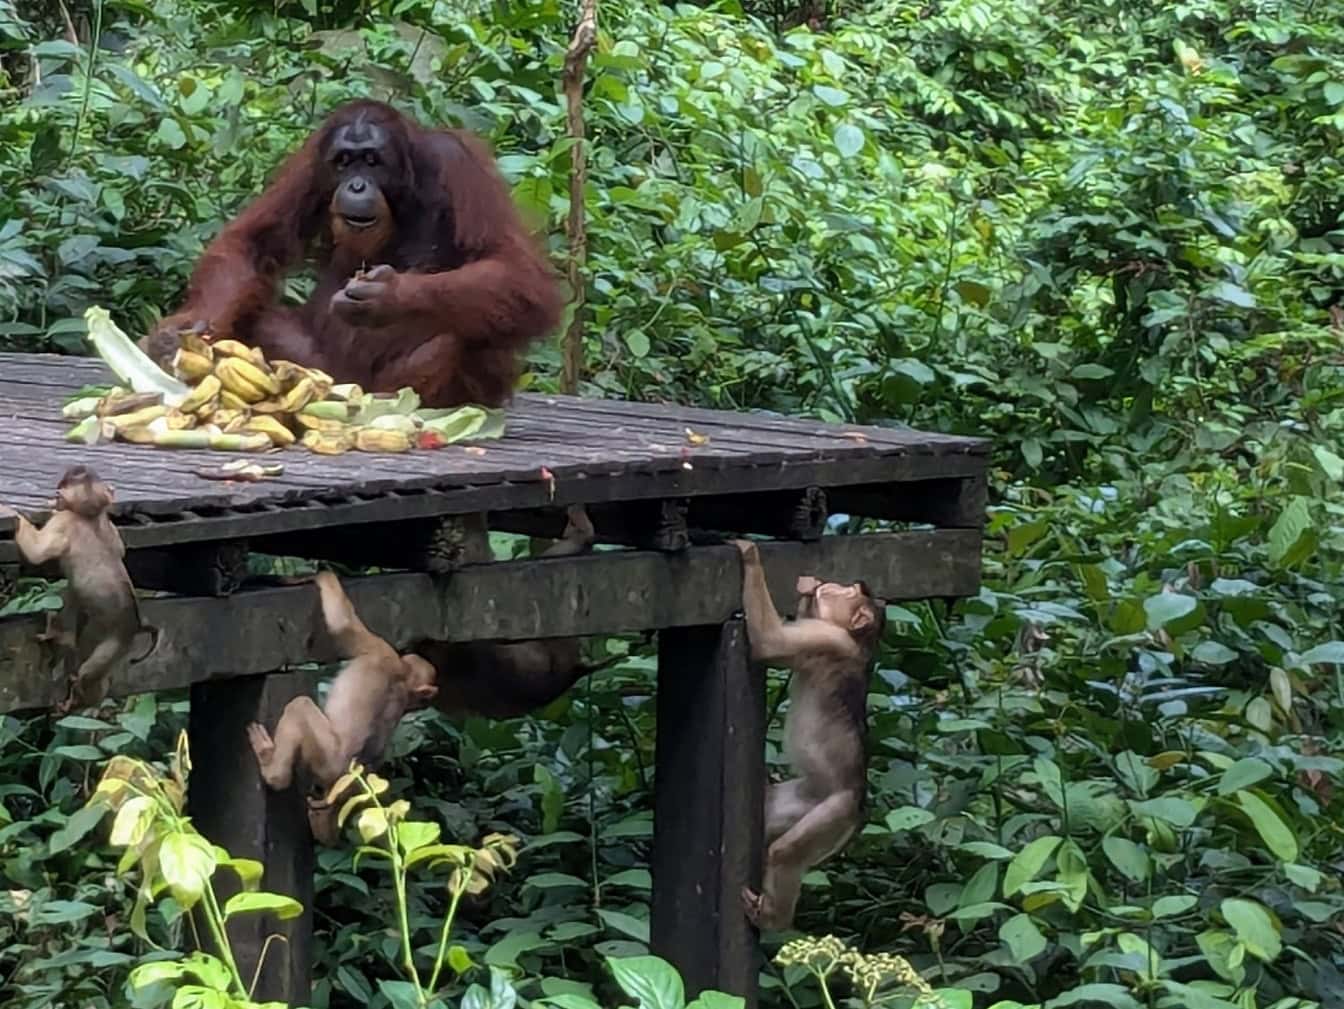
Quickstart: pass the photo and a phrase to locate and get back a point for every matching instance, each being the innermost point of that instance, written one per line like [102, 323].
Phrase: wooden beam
[949, 502]
[259, 630]
[232, 807]
[217, 568]
[709, 792]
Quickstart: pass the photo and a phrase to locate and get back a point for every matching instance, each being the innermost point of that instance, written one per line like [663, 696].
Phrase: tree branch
[576, 63]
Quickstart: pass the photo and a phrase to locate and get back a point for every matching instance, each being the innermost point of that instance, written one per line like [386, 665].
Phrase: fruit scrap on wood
[225, 395]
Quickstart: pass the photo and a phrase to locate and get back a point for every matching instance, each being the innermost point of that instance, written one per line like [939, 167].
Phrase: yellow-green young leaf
[274, 903]
[152, 973]
[248, 869]
[1071, 867]
[1029, 861]
[186, 861]
[1276, 834]
[1282, 689]
[1255, 926]
[459, 960]
[372, 823]
[132, 819]
[415, 834]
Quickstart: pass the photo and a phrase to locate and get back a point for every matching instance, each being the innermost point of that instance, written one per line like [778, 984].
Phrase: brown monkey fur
[366, 701]
[829, 648]
[91, 554]
[507, 680]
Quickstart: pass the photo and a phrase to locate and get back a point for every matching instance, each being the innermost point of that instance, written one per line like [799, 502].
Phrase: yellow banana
[191, 367]
[372, 439]
[303, 393]
[239, 351]
[194, 343]
[328, 442]
[288, 374]
[127, 402]
[245, 380]
[279, 434]
[176, 420]
[240, 442]
[231, 401]
[201, 396]
[140, 434]
[196, 438]
[323, 424]
[137, 418]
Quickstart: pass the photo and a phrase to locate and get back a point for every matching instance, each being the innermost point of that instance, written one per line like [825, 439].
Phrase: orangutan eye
[342, 159]
[370, 158]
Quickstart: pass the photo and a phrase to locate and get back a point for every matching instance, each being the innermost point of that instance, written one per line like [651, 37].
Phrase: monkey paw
[262, 744]
[747, 549]
[751, 905]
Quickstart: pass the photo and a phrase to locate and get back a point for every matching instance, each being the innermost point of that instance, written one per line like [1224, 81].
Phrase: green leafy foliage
[1106, 236]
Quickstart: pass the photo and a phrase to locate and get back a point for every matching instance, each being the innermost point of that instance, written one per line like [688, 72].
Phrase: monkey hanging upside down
[829, 648]
[366, 701]
[91, 555]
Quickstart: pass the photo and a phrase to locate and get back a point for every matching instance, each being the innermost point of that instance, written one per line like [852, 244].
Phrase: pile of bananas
[237, 401]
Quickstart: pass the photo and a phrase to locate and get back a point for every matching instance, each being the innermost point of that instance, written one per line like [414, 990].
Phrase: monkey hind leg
[814, 838]
[303, 730]
[89, 685]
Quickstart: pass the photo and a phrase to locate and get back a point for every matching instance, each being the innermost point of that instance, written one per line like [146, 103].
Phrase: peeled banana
[373, 439]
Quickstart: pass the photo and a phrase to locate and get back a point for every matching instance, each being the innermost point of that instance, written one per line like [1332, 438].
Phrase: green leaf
[710, 999]
[848, 140]
[1166, 607]
[1212, 653]
[1169, 907]
[1243, 774]
[638, 342]
[273, 903]
[634, 927]
[1273, 831]
[187, 862]
[1333, 91]
[1331, 652]
[1331, 464]
[1128, 857]
[403, 994]
[74, 829]
[908, 818]
[1094, 372]
[1029, 861]
[1112, 995]
[459, 960]
[651, 980]
[1291, 530]
[1255, 927]
[1180, 813]
[1233, 294]
[170, 134]
[833, 97]
[413, 834]
[1023, 938]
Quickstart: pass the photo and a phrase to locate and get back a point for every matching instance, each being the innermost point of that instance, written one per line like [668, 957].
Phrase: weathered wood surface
[595, 450]
[610, 592]
[709, 795]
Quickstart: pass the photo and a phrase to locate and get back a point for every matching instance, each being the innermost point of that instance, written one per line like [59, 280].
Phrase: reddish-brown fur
[467, 290]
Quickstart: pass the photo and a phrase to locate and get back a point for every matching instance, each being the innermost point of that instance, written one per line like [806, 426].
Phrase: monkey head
[420, 679]
[852, 607]
[82, 492]
[366, 166]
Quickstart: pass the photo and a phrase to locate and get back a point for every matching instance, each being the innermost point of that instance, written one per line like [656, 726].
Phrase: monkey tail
[153, 633]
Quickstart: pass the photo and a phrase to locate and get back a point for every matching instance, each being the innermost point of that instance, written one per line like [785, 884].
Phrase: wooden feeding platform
[659, 481]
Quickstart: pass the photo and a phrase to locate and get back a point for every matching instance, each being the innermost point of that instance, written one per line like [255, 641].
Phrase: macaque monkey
[366, 701]
[507, 680]
[91, 554]
[828, 648]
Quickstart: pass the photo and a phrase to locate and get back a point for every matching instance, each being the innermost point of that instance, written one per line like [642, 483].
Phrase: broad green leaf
[272, 903]
[1113, 996]
[848, 140]
[636, 928]
[187, 861]
[1023, 938]
[132, 819]
[1170, 906]
[403, 994]
[413, 834]
[1255, 927]
[1330, 652]
[1212, 653]
[908, 818]
[638, 342]
[833, 97]
[1166, 607]
[1244, 773]
[1128, 857]
[1331, 464]
[651, 980]
[170, 134]
[1180, 813]
[1291, 529]
[76, 828]
[1273, 831]
[1029, 861]
[1233, 295]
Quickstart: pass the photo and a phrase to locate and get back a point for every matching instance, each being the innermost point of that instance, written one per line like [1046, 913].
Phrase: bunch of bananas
[237, 401]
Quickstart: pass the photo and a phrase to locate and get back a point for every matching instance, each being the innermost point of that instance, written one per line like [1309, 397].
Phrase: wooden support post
[232, 807]
[709, 806]
[9, 582]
